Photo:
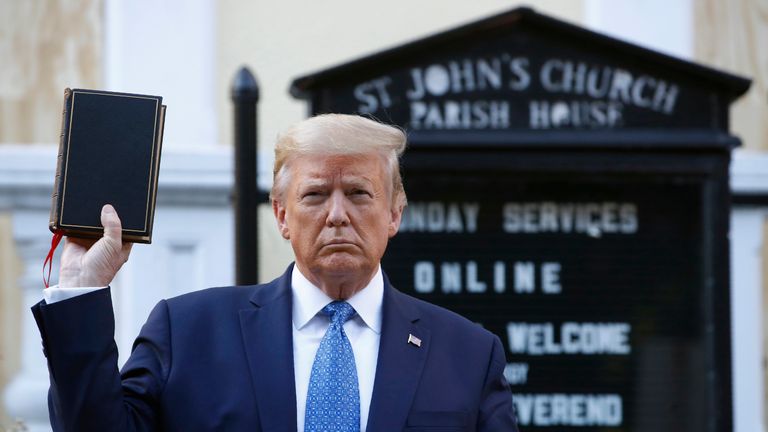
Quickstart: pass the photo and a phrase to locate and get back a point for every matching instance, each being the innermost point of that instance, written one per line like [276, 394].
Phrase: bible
[109, 153]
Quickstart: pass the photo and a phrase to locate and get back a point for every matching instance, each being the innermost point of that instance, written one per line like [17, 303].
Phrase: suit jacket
[222, 359]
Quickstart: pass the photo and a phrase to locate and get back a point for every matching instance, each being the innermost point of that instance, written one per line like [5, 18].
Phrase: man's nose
[337, 213]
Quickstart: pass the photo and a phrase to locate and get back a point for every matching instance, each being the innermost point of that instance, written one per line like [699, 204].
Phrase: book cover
[109, 153]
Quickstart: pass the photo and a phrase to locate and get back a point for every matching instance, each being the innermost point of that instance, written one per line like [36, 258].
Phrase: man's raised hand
[92, 263]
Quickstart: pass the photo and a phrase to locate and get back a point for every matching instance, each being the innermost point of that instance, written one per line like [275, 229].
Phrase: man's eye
[361, 192]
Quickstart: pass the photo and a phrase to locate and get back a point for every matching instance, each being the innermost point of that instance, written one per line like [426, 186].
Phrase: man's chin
[342, 264]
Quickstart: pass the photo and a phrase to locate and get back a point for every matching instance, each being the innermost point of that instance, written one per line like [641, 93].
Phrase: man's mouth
[339, 243]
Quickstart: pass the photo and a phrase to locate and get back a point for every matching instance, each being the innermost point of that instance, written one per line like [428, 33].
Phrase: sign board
[568, 192]
[593, 284]
[513, 84]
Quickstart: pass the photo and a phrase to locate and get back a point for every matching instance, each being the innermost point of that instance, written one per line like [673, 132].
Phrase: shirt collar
[308, 300]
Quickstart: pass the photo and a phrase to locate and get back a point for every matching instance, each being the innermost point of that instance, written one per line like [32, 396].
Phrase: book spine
[156, 173]
[58, 184]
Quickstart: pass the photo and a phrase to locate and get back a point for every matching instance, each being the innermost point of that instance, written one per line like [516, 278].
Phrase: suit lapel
[400, 363]
[268, 338]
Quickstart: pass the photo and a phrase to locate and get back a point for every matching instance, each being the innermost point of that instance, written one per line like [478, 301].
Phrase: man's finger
[111, 223]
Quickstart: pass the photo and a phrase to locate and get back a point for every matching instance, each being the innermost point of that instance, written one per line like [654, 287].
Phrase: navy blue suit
[222, 359]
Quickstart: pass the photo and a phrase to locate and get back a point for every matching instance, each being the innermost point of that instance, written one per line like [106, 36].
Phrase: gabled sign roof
[524, 71]
[490, 27]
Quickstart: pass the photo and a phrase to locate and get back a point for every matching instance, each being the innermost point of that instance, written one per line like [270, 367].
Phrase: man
[329, 345]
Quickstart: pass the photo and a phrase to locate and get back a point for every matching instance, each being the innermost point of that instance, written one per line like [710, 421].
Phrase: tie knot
[339, 312]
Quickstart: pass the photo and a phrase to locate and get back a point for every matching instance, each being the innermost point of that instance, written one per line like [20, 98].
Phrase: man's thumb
[112, 226]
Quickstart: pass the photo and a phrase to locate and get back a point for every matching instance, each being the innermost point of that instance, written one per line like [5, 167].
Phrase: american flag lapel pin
[413, 340]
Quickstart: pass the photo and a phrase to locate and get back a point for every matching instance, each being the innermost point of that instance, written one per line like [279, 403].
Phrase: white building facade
[189, 51]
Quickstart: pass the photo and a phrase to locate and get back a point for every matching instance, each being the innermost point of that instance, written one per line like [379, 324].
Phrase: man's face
[337, 212]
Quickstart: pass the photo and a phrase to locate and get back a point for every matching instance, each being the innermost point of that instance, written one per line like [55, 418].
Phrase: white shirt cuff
[55, 294]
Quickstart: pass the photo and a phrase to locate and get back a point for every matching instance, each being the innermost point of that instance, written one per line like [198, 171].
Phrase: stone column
[26, 395]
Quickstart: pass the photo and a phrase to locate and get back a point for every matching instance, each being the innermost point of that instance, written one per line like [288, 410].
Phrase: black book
[109, 153]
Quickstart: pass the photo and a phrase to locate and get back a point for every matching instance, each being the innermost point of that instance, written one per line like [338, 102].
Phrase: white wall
[749, 175]
[662, 25]
[166, 48]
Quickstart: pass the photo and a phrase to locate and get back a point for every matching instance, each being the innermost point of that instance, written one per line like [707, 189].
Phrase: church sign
[568, 192]
[566, 93]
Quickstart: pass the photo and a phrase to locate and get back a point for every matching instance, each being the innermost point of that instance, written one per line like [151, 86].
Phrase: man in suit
[328, 346]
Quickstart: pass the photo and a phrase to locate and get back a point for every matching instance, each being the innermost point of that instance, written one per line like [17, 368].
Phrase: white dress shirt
[55, 294]
[363, 331]
[309, 326]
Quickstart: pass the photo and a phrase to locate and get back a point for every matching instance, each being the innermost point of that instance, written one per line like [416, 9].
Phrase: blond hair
[339, 134]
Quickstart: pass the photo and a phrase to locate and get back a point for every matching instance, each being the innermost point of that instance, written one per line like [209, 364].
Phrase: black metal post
[245, 97]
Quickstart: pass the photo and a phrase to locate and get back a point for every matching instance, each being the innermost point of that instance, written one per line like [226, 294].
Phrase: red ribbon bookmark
[57, 236]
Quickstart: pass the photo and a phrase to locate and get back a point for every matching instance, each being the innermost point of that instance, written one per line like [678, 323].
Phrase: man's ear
[396, 215]
[282, 225]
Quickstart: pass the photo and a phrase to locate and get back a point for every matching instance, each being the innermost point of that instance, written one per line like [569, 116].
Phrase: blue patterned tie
[333, 398]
